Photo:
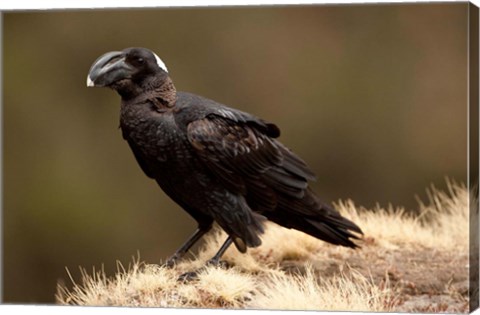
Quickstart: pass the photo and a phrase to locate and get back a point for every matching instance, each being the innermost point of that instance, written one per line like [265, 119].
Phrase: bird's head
[127, 71]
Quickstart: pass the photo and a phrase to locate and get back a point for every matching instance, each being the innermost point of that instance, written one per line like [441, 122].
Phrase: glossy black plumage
[218, 163]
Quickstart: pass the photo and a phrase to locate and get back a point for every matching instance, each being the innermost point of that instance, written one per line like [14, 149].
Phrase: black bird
[218, 163]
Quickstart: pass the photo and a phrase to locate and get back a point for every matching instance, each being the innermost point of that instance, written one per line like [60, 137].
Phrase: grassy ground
[406, 263]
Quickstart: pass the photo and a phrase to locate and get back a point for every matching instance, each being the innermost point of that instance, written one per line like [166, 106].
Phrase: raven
[218, 163]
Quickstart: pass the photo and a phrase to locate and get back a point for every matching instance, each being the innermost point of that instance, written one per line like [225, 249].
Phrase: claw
[193, 275]
[218, 263]
[188, 276]
[171, 262]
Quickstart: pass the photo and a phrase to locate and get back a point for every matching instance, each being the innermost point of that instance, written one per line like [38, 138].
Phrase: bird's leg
[201, 230]
[214, 261]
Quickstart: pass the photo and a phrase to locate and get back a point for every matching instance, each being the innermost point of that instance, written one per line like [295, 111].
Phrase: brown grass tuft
[406, 263]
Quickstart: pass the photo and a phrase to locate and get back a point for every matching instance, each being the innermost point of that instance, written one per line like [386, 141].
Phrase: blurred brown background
[373, 97]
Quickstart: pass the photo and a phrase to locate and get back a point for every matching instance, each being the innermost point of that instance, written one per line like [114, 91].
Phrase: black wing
[242, 154]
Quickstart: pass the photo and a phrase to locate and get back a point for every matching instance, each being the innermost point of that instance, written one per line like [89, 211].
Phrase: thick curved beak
[109, 68]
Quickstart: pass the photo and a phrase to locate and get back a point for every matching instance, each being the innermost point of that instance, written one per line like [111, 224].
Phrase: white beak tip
[90, 82]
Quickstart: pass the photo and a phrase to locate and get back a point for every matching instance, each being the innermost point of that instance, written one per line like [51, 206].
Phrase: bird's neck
[161, 93]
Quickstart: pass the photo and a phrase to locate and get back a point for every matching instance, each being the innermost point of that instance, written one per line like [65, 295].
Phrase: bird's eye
[140, 60]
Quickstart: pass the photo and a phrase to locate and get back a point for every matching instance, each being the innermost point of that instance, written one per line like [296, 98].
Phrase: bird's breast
[156, 135]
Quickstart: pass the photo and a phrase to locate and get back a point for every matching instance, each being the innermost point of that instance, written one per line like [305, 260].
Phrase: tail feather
[316, 219]
[333, 234]
[337, 220]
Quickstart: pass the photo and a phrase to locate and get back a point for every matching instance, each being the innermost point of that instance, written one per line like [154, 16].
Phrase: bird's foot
[193, 275]
[218, 263]
[172, 261]
[188, 276]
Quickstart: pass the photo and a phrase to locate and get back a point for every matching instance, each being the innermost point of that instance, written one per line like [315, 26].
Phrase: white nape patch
[90, 82]
[160, 63]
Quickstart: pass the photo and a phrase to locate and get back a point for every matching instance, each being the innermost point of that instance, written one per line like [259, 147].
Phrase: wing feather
[238, 154]
[246, 158]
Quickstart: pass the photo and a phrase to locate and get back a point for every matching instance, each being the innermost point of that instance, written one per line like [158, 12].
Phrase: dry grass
[406, 263]
[441, 224]
[307, 292]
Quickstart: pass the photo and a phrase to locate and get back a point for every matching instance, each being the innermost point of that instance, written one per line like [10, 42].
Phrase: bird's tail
[318, 220]
[333, 228]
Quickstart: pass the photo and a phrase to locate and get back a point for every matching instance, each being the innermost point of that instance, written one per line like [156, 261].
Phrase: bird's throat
[162, 95]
